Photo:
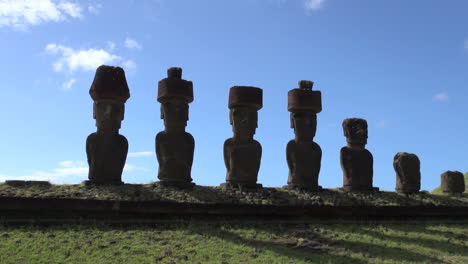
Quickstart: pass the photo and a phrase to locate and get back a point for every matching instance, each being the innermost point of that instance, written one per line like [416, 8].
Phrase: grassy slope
[206, 194]
[438, 190]
[238, 243]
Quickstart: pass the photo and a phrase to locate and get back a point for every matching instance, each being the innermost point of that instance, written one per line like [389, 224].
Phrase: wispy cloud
[20, 14]
[68, 84]
[94, 8]
[72, 60]
[441, 97]
[381, 124]
[141, 154]
[68, 171]
[466, 44]
[132, 44]
[313, 4]
[111, 45]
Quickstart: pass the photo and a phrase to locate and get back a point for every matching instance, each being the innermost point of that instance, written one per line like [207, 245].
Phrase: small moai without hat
[452, 182]
[408, 175]
[303, 155]
[174, 146]
[356, 161]
[106, 149]
[242, 153]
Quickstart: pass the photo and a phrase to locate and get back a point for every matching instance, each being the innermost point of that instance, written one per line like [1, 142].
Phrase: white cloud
[68, 84]
[20, 14]
[67, 172]
[72, 60]
[441, 97]
[132, 44]
[111, 45]
[94, 8]
[141, 154]
[313, 4]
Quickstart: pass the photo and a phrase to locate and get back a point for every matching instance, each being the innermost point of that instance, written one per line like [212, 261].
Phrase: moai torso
[106, 149]
[304, 160]
[174, 146]
[408, 175]
[357, 166]
[303, 155]
[175, 156]
[106, 157]
[242, 161]
[356, 161]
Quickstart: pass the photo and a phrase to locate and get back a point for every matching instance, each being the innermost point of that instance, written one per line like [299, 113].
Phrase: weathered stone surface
[303, 155]
[242, 154]
[452, 182]
[356, 161]
[106, 149]
[174, 146]
[408, 174]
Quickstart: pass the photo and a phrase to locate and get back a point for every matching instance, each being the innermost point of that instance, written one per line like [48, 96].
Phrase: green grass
[227, 242]
[207, 194]
[438, 190]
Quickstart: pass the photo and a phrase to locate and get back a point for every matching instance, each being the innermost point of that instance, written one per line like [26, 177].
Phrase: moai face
[175, 114]
[305, 125]
[355, 131]
[244, 122]
[109, 115]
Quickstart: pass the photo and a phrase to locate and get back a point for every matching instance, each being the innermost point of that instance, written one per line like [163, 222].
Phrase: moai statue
[174, 146]
[452, 182]
[302, 153]
[242, 153]
[107, 149]
[408, 174]
[356, 161]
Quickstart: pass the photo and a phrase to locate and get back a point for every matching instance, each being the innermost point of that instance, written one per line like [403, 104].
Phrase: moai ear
[230, 116]
[162, 111]
[94, 110]
[123, 111]
[291, 120]
[256, 119]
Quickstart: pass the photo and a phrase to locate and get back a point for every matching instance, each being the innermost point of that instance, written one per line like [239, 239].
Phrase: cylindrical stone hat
[109, 83]
[246, 96]
[452, 182]
[303, 99]
[175, 87]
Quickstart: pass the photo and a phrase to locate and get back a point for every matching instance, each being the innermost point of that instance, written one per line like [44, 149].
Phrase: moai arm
[226, 155]
[259, 157]
[124, 151]
[90, 147]
[158, 148]
[191, 142]
[289, 157]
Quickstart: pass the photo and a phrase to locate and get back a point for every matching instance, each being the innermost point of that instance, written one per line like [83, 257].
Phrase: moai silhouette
[174, 146]
[408, 174]
[452, 182]
[242, 153]
[356, 161]
[302, 153]
[106, 149]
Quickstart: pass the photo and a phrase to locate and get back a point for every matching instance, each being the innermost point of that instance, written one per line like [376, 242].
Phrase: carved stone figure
[452, 182]
[242, 153]
[408, 174]
[356, 161]
[106, 149]
[302, 153]
[174, 146]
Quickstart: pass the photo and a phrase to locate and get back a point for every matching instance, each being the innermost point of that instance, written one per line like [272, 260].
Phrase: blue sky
[401, 65]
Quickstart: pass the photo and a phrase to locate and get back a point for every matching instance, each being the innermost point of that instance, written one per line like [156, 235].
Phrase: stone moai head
[452, 182]
[109, 91]
[174, 94]
[355, 131]
[244, 102]
[304, 105]
[408, 175]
